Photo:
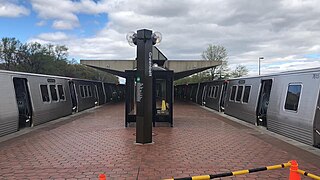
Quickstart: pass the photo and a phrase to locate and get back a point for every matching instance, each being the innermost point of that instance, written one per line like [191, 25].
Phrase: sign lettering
[139, 91]
[150, 63]
[316, 76]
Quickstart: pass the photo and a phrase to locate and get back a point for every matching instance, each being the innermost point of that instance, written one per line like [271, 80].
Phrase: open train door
[203, 96]
[73, 94]
[263, 102]
[23, 102]
[96, 95]
[316, 125]
[223, 95]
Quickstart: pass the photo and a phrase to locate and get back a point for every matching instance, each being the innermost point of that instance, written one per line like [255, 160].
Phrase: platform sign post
[144, 44]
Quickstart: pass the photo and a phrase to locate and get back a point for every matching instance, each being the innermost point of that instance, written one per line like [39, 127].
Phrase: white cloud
[280, 31]
[64, 25]
[12, 10]
[55, 37]
[64, 12]
[41, 23]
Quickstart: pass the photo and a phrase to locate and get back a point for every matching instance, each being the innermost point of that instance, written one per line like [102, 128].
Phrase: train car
[121, 91]
[201, 93]
[109, 91]
[286, 103]
[194, 88]
[242, 99]
[114, 92]
[214, 93]
[187, 92]
[31, 99]
[99, 92]
[87, 95]
[293, 107]
[180, 91]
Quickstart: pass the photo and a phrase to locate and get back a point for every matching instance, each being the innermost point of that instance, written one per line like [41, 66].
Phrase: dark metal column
[144, 87]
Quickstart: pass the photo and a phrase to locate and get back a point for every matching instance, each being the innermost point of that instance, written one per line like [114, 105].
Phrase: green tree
[217, 53]
[9, 48]
[239, 71]
[45, 59]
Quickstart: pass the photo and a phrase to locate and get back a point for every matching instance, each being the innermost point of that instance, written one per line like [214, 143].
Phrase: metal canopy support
[182, 74]
[158, 57]
[111, 71]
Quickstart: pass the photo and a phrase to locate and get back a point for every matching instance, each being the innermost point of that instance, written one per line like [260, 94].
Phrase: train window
[293, 96]
[246, 94]
[239, 93]
[61, 92]
[53, 91]
[44, 93]
[216, 91]
[233, 93]
[90, 91]
[212, 91]
[81, 91]
[85, 91]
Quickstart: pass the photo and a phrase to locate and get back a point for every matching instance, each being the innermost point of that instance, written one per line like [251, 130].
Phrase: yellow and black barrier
[308, 174]
[294, 172]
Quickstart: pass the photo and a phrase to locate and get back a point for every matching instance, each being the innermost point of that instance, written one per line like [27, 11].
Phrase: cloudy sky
[285, 32]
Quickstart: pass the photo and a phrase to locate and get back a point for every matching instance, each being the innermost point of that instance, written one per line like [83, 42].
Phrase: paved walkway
[201, 142]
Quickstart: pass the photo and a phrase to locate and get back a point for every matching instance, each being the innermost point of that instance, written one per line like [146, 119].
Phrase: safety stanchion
[308, 174]
[294, 172]
[235, 173]
[102, 177]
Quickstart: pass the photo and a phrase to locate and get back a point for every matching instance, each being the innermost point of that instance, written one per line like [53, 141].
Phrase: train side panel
[108, 91]
[193, 92]
[86, 99]
[235, 104]
[9, 115]
[200, 96]
[55, 107]
[213, 94]
[101, 92]
[292, 106]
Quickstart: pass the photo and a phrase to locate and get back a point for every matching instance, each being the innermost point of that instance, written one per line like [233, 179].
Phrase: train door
[23, 102]
[96, 95]
[204, 92]
[73, 96]
[223, 95]
[263, 102]
[316, 126]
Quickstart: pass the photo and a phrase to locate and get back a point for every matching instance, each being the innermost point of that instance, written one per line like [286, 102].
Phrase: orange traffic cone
[294, 175]
[102, 177]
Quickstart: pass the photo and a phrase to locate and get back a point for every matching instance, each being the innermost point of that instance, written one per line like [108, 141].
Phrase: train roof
[317, 69]
[48, 76]
[33, 74]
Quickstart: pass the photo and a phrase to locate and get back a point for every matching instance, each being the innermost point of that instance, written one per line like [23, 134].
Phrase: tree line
[215, 53]
[45, 59]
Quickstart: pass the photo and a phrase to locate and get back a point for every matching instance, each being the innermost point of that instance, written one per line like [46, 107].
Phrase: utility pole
[259, 63]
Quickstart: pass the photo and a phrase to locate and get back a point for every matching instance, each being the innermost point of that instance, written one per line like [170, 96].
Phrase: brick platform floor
[200, 142]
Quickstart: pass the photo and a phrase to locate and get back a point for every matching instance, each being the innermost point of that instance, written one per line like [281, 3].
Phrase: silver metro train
[286, 103]
[31, 99]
